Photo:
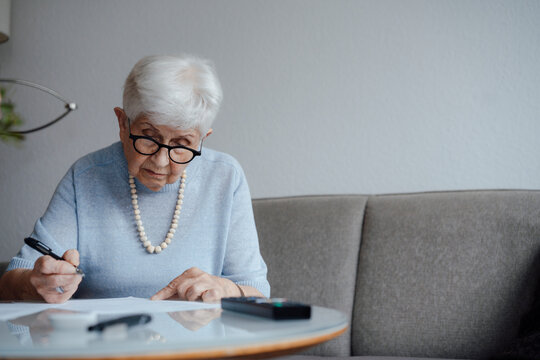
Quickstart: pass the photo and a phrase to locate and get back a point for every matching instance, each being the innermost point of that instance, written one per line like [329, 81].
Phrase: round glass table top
[201, 333]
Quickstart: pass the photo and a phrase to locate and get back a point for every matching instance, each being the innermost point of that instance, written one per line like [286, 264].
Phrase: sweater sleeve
[57, 228]
[243, 263]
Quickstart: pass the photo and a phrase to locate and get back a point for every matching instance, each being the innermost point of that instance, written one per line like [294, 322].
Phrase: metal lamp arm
[69, 106]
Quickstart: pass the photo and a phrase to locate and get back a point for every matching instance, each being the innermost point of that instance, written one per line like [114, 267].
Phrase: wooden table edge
[254, 351]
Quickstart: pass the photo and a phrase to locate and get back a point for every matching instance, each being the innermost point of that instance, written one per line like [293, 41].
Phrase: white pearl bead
[138, 219]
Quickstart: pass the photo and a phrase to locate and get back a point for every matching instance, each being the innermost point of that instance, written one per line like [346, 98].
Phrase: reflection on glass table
[210, 333]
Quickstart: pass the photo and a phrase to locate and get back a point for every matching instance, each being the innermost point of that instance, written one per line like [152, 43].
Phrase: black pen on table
[45, 250]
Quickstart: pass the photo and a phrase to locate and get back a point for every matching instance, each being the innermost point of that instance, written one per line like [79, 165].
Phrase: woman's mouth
[154, 174]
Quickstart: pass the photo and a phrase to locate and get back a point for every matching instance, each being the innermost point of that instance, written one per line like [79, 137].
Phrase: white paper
[127, 305]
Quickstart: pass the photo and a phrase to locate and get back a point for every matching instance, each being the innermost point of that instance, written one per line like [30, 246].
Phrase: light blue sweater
[91, 211]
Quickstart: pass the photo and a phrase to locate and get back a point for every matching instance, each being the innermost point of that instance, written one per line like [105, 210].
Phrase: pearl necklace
[174, 223]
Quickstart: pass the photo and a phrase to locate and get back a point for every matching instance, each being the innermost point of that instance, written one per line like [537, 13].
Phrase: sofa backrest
[310, 245]
[444, 275]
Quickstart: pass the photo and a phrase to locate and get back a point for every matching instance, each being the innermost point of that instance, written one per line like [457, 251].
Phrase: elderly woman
[154, 215]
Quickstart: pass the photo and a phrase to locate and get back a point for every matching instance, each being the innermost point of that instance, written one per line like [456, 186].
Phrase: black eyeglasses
[145, 145]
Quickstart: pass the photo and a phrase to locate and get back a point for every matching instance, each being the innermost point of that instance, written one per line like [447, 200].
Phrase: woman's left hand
[195, 284]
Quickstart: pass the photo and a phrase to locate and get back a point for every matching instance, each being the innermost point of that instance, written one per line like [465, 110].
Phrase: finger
[184, 288]
[185, 281]
[45, 283]
[194, 292]
[43, 262]
[67, 289]
[48, 265]
[51, 295]
[72, 257]
[56, 297]
[211, 296]
[192, 272]
[67, 281]
[179, 285]
[166, 293]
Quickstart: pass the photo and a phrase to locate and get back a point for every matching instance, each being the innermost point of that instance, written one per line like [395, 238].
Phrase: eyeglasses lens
[149, 147]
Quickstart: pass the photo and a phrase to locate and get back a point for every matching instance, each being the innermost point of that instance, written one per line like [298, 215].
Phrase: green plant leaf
[8, 119]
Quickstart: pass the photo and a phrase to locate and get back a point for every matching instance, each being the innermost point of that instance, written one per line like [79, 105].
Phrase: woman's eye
[182, 142]
[153, 137]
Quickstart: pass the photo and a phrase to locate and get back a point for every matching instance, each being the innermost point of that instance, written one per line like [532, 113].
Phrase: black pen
[45, 250]
[128, 321]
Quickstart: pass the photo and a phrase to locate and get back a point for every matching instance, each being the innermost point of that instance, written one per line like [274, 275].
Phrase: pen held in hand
[45, 250]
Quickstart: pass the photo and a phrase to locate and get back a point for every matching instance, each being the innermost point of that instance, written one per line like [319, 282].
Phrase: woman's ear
[121, 116]
[208, 133]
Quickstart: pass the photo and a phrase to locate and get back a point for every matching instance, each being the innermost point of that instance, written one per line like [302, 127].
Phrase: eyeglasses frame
[160, 145]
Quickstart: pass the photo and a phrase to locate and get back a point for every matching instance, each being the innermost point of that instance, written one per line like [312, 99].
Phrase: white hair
[178, 91]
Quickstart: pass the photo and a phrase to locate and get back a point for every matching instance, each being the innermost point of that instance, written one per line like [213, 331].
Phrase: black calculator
[272, 308]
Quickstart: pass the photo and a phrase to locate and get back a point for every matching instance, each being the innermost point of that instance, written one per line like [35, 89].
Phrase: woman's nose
[161, 158]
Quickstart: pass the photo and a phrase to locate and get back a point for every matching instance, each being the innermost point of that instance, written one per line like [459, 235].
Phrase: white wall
[320, 96]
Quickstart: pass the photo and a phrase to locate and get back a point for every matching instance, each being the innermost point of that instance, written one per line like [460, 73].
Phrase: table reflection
[195, 319]
[36, 330]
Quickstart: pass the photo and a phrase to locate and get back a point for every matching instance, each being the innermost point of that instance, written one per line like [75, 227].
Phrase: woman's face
[154, 171]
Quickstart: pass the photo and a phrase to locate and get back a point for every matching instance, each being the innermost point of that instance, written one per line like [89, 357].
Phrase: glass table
[193, 334]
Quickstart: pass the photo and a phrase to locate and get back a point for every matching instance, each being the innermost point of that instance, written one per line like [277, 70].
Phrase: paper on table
[125, 305]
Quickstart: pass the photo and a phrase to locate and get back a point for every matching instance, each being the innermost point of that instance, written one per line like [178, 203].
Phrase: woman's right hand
[50, 277]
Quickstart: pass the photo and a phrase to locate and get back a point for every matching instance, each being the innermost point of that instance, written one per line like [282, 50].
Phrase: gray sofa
[427, 275]
[422, 275]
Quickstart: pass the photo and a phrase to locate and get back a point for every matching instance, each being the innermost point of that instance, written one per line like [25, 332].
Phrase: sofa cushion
[445, 274]
[310, 245]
